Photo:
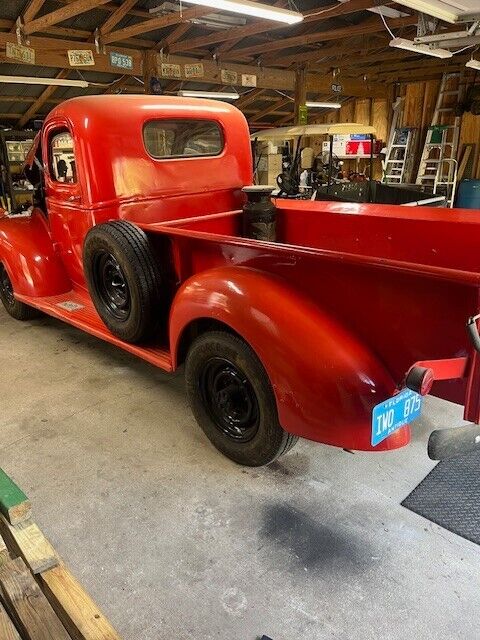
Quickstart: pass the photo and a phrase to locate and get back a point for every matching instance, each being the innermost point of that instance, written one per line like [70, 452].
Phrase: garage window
[182, 138]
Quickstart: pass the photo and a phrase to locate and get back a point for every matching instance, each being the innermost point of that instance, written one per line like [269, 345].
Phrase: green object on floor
[14, 504]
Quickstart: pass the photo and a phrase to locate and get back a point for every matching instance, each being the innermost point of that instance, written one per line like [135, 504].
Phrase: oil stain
[310, 544]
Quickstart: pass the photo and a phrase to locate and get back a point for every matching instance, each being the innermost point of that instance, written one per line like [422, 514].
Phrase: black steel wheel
[229, 399]
[233, 401]
[14, 307]
[111, 285]
[123, 280]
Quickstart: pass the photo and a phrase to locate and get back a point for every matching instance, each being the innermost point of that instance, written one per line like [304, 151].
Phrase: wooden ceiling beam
[153, 24]
[115, 17]
[314, 15]
[276, 106]
[31, 11]
[59, 15]
[250, 97]
[369, 26]
[81, 34]
[40, 101]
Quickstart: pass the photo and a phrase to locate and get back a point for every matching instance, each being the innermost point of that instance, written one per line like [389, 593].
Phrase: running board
[77, 310]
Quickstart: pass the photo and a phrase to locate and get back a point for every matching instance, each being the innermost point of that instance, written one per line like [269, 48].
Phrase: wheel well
[196, 328]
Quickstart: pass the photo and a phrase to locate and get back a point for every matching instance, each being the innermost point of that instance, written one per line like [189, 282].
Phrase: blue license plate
[394, 413]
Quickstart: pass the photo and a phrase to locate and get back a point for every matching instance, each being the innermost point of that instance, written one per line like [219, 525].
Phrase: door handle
[74, 198]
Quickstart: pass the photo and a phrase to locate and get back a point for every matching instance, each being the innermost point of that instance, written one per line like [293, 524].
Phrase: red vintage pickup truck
[333, 329]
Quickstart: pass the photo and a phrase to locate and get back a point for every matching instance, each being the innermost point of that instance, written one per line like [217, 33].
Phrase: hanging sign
[249, 80]
[21, 53]
[170, 70]
[194, 70]
[80, 57]
[121, 60]
[229, 77]
[302, 114]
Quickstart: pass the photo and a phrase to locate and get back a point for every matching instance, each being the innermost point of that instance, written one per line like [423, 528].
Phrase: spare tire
[123, 279]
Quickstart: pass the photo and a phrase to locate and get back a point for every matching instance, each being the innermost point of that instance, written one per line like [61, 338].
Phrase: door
[69, 219]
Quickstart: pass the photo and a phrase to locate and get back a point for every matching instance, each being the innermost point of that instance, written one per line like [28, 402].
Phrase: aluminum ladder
[438, 165]
[398, 162]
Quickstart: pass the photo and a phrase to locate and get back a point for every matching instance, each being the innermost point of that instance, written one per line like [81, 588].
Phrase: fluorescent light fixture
[323, 105]
[409, 45]
[213, 95]
[57, 82]
[473, 64]
[247, 8]
[388, 12]
[445, 11]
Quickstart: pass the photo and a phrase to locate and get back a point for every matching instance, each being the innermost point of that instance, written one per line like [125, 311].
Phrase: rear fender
[28, 254]
[325, 380]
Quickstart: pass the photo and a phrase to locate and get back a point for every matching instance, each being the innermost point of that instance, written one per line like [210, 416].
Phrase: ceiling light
[441, 10]
[57, 82]
[409, 45]
[214, 95]
[323, 105]
[473, 64]
[247, 8]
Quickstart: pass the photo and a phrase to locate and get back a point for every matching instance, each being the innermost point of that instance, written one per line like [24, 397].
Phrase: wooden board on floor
[79, 614]
[28, 605]
[7, 628]
[29, 542]
[14, 504]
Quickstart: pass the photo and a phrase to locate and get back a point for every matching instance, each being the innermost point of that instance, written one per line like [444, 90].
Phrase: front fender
[326, 381]
[27, 252]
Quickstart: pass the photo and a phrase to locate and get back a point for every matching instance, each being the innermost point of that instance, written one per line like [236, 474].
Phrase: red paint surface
[338, 310]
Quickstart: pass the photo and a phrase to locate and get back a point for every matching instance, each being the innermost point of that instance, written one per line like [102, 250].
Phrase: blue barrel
[469, 194]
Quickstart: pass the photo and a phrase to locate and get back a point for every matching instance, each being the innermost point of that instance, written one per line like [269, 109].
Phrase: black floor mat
[450, 496]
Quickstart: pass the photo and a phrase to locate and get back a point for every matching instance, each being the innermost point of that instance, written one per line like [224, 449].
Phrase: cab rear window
[182, 138]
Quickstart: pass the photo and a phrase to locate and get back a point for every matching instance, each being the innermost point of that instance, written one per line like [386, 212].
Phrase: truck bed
[403, 280]
[441, 242]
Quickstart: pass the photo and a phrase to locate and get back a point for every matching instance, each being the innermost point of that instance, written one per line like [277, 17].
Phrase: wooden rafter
[369, 26]
[59, 15]
[153, 24]
[276, 106]
[238, 33]
[249, 98]
[40, 101]
[31, 11]
[115, 17]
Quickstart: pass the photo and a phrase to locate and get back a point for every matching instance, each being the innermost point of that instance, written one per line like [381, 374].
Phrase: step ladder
[399, 156]
[438, 165]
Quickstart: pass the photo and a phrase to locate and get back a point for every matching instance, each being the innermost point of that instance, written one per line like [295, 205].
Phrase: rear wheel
[123, 279]
[232, 400]
[14, 307]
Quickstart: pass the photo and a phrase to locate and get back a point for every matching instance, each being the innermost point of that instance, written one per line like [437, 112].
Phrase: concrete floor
[174, 541]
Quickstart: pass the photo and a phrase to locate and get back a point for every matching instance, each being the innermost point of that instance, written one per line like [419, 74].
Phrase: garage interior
[169, 538]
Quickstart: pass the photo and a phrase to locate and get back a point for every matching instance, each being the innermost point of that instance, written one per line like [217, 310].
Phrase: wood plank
[14, 504]
[64, 13]
[79, 614]
[25, 600]
[27, 540]
[7, 628]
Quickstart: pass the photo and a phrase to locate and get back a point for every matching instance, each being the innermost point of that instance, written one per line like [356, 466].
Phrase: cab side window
[62, 158]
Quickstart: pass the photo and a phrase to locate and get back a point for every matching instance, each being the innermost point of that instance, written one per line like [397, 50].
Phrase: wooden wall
[420, 100]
